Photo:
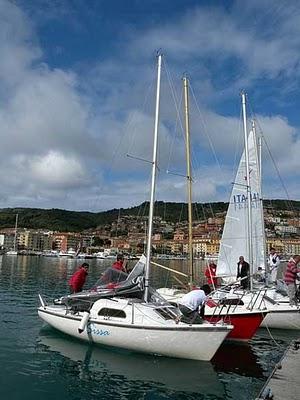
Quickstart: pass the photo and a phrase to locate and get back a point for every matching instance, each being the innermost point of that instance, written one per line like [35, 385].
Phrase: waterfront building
[213, 246]
[291, 246]
[179, 235]
[286, 229]
[63, 242]
[276, 243]
[179, 247]
[8, 242]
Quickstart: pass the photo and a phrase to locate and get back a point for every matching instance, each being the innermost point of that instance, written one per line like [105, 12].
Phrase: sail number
[240, 200]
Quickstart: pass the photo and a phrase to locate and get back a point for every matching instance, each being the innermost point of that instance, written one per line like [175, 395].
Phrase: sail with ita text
[234, 242]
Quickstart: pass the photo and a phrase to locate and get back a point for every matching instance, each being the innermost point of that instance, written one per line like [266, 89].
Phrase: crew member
[290, 278]
[120, 264]
[191, 302]
[77, 280]
[243, 271]
[210, 273]
[273, 263]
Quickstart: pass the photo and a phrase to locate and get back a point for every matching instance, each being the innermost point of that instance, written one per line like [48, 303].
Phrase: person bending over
[192, 305]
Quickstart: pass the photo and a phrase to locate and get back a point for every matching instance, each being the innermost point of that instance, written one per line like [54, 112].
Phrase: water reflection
[44, 364]
[238, 358]
[165, 373]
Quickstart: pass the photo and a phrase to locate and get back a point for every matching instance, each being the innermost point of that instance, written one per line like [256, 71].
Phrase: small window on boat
[165, 313]
[112, 312]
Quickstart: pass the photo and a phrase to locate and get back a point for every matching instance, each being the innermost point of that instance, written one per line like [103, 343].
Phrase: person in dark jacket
[77, 280]
[243, 271]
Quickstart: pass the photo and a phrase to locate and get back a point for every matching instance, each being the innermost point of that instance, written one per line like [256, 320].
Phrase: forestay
[234, 239]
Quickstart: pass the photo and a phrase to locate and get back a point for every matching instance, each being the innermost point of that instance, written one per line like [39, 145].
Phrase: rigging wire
[177, 104]
[124, 139]
[195, 164]
[194, 158]
[179, 122]
[145, 102]
[288, 199]
[237, 146]
[204, 126]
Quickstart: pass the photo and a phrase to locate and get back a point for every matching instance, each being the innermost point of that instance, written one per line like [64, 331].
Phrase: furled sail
[234, 239]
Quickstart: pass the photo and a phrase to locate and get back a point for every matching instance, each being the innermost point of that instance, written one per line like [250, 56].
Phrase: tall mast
[259, 145]
[248, 185]
[15, 237]
[153, 180]
[189, 176]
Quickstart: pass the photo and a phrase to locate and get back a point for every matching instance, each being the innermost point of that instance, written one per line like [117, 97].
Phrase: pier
[284, 382]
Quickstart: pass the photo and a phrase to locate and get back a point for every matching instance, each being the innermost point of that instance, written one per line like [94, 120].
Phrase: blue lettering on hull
[92, 329]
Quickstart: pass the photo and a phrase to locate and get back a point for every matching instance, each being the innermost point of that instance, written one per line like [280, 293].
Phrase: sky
[77, 98]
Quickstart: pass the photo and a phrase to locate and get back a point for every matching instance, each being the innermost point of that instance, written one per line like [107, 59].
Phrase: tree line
[78, 221]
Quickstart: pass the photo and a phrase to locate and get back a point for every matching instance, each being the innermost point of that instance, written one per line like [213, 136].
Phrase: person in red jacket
[290, 278]
[77, 280]
[120, 264]
[210, 273]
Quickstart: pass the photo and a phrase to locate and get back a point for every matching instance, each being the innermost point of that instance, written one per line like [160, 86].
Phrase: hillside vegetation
[77, 221]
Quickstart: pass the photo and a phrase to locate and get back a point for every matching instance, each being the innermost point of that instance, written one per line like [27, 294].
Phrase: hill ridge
[56, 219]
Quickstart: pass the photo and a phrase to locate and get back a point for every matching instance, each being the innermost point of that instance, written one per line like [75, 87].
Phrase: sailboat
[129, 313]
[244, 234]
[14, 251]
[245, 320]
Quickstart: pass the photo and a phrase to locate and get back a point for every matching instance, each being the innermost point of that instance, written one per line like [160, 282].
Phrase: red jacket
[118, 265]
[77, 280]
[210, 274]
[291, 272]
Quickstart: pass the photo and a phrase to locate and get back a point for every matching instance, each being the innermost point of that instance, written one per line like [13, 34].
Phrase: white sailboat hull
[282, 317]
[196, 342]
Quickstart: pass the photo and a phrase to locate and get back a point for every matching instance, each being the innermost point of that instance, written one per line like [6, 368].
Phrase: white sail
[234, 239]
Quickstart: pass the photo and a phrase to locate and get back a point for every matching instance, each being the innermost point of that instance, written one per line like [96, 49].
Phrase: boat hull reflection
[169, 373]
[238, 358]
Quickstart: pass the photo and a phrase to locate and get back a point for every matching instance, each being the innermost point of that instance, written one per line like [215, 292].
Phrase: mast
[15, 237]
[153, 180]
[259, 144]
[189, 177]
[248, 186]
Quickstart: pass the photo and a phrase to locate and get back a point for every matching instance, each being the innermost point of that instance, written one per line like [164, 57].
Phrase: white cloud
[62, 129]
[236, 46]
[281, 146]
[56, 170]
[18, 47]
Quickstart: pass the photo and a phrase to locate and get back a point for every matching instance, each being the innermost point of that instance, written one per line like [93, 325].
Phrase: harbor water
[38, 362]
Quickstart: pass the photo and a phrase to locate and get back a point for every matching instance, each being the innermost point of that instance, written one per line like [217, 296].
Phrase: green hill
[77, 221]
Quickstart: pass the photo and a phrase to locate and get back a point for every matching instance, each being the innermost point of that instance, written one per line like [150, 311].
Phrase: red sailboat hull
[245, 324]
